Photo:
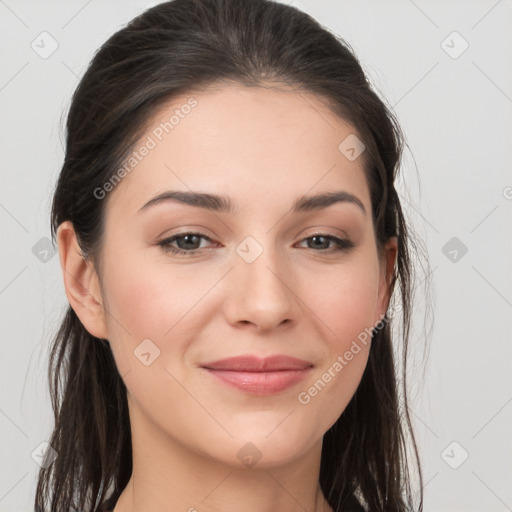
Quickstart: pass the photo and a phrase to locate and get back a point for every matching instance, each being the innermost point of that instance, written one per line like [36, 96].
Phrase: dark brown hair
[174, 48]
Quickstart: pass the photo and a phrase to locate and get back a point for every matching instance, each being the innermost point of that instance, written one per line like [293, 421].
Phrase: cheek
[155, 301]
[332, 388]
[344, 299]
[345, 302]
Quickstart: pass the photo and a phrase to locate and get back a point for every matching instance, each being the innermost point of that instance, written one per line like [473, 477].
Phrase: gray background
[455, 106]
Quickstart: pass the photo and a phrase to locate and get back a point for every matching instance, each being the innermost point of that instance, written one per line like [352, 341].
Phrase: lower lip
[260, 383]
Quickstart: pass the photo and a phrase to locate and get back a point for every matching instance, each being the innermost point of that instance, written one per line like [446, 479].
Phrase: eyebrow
[223, 204]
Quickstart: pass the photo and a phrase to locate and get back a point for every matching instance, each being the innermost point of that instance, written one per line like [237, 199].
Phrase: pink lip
[260, 376]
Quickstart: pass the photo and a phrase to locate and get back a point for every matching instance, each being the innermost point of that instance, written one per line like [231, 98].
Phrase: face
[268, 277]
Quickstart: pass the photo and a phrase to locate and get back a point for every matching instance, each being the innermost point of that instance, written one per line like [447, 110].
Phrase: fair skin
[264, 148]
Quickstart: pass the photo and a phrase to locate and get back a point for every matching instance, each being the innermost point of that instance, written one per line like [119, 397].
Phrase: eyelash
[342, 244]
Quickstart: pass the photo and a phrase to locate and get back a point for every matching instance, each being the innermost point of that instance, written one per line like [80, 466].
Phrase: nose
[262, 293]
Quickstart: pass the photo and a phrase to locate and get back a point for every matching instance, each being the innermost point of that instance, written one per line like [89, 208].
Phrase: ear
[387, 267]
[81, 282]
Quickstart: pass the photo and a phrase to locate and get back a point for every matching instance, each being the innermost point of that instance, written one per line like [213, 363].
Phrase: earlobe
[81, 282]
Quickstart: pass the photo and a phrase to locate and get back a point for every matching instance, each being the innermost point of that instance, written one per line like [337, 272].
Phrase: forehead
[251, 143]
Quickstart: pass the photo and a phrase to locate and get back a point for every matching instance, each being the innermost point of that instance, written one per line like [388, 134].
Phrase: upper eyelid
[319, 231]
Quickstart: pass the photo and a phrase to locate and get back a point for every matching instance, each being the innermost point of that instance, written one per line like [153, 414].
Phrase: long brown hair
[181, 46]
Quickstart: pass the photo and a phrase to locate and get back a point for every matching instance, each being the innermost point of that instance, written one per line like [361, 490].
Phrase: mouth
[259, 376]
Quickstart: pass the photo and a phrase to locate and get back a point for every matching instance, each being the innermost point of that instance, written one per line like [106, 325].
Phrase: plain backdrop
[444, 68]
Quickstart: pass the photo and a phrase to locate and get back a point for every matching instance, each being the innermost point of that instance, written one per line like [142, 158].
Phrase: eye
[188, 243]
[321, 240]
[187, 246]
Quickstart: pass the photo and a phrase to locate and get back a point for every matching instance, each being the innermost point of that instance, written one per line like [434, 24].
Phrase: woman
[230, 239]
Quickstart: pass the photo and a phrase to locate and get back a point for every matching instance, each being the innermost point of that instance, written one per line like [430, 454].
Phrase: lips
[256, 364]
[259, 376]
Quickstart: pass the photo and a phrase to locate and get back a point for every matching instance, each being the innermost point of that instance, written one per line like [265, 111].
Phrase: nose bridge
[261, 265]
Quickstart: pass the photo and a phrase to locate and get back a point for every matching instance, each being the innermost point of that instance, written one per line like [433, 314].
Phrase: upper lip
[258, 364]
